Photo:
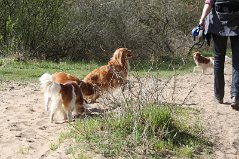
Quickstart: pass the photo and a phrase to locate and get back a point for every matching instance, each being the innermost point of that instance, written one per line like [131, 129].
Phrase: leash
[198, 44]
[191, 90]
[198, 37]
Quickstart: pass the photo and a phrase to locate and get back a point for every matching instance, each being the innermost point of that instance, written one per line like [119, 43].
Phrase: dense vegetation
[93, 29]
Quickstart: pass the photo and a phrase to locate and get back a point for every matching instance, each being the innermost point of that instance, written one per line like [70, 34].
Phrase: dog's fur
[202, 62]
[67, 97]
[112, 75]
[62, 77]
[88, 89]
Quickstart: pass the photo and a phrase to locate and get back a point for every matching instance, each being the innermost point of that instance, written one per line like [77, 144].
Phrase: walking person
[221, 21]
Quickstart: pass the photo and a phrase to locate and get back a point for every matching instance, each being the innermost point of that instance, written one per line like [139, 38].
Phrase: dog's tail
[45, 81]
[48, 85]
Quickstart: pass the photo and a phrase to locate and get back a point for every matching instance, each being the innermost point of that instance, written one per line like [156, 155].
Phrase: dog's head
[196, 55]
[122, 55]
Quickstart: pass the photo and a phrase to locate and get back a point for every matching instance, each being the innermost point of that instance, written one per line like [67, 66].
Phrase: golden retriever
[112, 75]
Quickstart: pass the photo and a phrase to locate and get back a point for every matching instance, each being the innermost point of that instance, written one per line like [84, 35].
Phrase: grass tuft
[152, 132]
[62, 137]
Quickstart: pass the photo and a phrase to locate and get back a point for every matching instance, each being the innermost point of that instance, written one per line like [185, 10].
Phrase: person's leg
[235, 69]
[220, 47]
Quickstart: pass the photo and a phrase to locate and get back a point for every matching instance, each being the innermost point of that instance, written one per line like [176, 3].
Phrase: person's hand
[202, 22]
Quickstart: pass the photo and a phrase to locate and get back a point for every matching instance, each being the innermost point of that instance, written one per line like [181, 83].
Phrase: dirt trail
[220, 120]
[25, 129]
[26, 132]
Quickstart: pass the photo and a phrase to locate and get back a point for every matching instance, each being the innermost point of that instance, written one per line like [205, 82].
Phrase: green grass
[210, 52]
[55, 145]
[30, 71]
[72, 150]
[164, 68]
[153, 132]
[76, 152]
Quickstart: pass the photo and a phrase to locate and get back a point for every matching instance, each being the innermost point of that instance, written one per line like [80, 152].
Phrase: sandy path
[25, 129]
[26, 132]
[220, 120]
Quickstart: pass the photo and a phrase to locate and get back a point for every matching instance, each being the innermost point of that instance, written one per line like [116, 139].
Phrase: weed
[23, 150]
[62, 137]
[152, 132]
[54, 146]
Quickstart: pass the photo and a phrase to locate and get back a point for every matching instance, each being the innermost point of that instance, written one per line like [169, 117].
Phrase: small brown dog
[202, 62]
[112, 75]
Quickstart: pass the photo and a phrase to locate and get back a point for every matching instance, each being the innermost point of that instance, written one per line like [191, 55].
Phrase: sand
[25, 131]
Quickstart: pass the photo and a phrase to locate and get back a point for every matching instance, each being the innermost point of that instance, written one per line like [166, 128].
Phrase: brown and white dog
[88, 89]
[67, 97]
[112, 75]
[202, 62]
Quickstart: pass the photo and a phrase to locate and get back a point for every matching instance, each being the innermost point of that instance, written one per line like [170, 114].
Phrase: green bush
[92, 30]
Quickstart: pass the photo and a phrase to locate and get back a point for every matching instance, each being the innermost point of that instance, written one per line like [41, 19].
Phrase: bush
[89, 29]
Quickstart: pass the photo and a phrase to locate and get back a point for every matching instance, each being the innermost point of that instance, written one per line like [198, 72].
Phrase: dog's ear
[196, 53]
[118, 56]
